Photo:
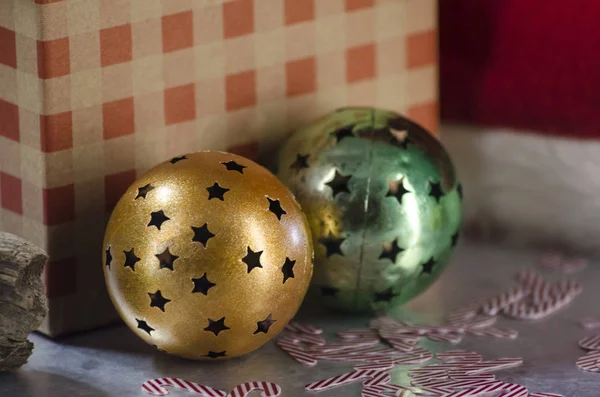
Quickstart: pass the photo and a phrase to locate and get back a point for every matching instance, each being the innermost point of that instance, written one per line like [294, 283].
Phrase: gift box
[95, 92]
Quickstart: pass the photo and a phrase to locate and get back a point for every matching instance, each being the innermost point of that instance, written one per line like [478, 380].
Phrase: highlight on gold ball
[207, 256]
[383, 202]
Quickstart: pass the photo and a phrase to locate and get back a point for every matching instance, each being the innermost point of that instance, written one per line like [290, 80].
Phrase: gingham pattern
[95, 92]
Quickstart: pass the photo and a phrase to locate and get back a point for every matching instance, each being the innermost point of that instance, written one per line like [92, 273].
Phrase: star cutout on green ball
[436, 191]
[428, 266]
[391, 251]
[332, 245]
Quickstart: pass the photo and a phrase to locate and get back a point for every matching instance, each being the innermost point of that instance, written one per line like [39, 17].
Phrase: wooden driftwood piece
[22, 300]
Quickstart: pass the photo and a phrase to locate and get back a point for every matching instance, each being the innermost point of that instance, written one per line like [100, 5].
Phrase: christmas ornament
[207, 256]
[383, 203]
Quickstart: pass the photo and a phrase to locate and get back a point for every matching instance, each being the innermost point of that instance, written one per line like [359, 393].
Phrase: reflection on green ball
[383, 202]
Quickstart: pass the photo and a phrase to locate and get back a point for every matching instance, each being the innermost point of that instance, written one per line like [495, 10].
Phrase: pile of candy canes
[390, 342]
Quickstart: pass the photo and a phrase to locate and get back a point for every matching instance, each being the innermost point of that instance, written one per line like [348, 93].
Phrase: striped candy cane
[158, 387]
[477, 391]
[339, 380]
[513, 390]
[382, 378]
[309, 339]
[297, 353]
[267, 389]
[303, 328]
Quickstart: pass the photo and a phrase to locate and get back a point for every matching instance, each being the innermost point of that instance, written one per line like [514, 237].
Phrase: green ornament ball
[383, 202]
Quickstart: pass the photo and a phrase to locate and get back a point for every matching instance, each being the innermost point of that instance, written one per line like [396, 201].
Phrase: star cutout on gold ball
[166, 259]
[332, 245]
[175, 160]
[130, 259]
[141, 324]
[428, 266]
[216, 191]
[202, 285]
[384, 296]
[300, 163]
[143, 191]
[216, 326]
[264, 325]
[396, 189]
[339, 183]
[202, 234]
[275, 208]
[157, 219]
[344, 132]
[212, 354]
[252, 259]
[288, 269]
[158, 300]
[233, 166]
[436, 190]
[108, 257]
[391, 251]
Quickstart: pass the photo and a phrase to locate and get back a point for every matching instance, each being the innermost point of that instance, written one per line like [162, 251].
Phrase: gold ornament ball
[207, 256]
[383, 202]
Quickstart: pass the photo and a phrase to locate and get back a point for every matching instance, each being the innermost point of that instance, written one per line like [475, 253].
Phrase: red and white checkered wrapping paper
[95, 92]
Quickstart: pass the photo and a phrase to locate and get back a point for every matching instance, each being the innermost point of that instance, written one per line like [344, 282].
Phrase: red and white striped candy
[513, 390]
[539, 394]
[382, 366]
[591, 322]
[414, 359]
[467, 384]
[382, 378]
[536, 312]
[358, 333]
[590, 362]
[309, 339]
[303, 328]
[297, 353]
[339, 380]
[439, 375]
[457, 355]
[158, 387]
[335, 347]
[504, 333]
[369, 392]
[465, 312]
[397, 390]
[458, 377]
[387, 333]
[448, 338]
[546, 291]
[402, 344]
[430, 382]
[477, 391]
[429, 371]
[495, 304]
[550, 260]
[529, 278]
[590, 342]
[435, 390]
[477, 322]
[493, 365]
[573, 265]
[267, 389]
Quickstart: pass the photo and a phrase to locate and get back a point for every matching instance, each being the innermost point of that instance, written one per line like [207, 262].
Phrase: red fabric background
[530, 64]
